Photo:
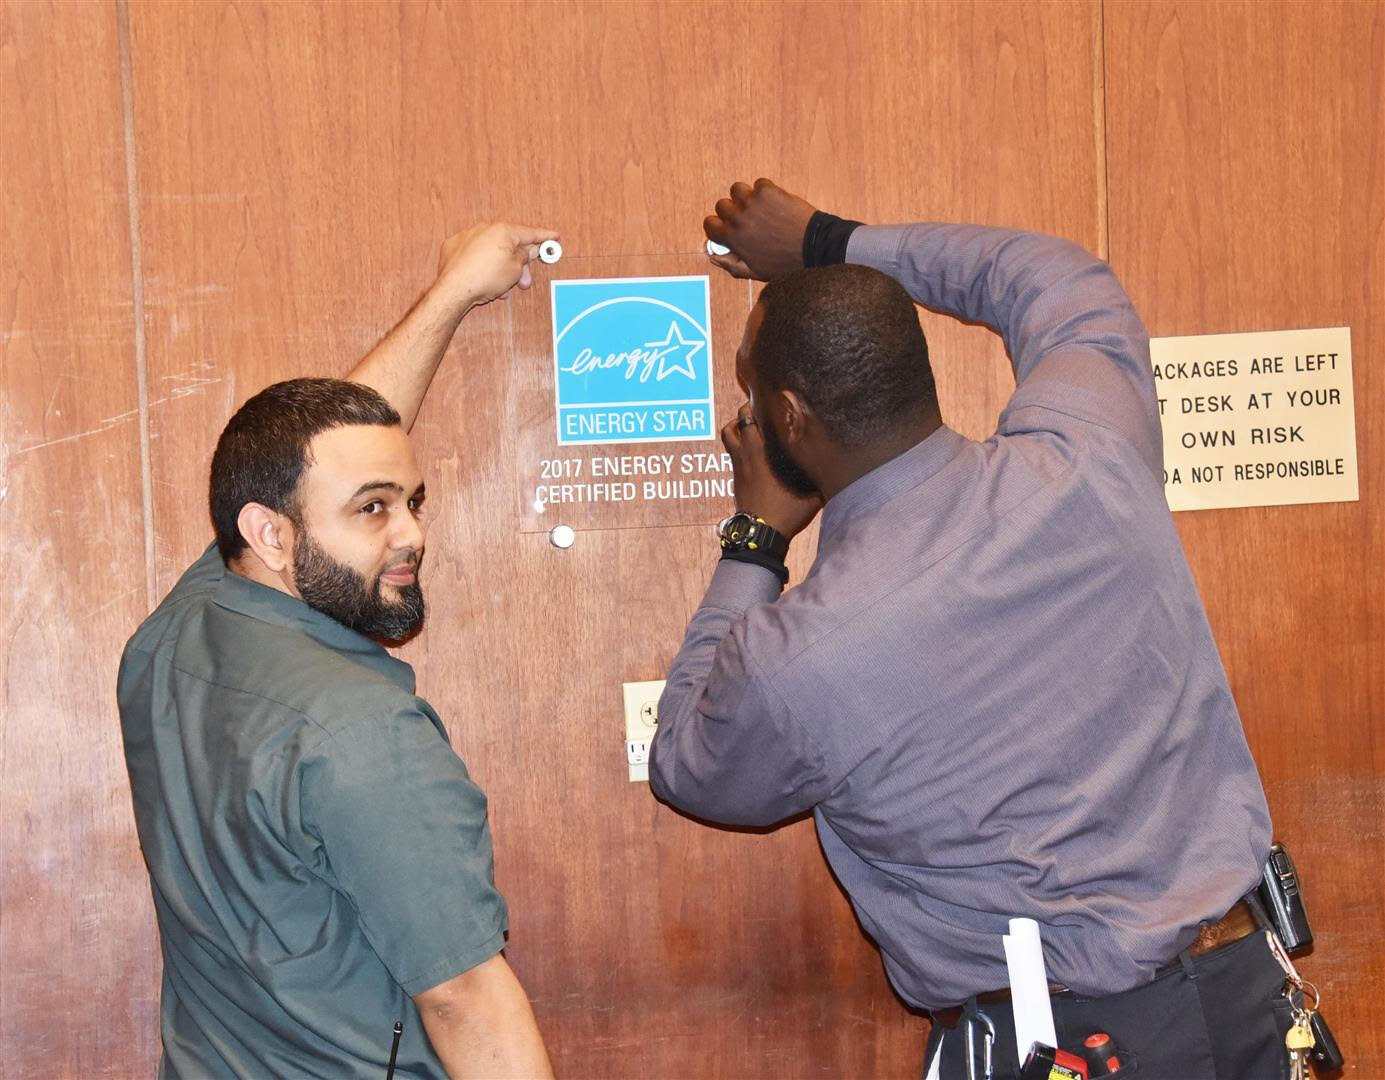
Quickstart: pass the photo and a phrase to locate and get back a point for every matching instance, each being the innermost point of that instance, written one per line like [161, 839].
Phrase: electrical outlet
[641, 721]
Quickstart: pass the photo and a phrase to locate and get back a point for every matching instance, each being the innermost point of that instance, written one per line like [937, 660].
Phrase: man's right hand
[763, 226]
[485, 262]
[758, 490]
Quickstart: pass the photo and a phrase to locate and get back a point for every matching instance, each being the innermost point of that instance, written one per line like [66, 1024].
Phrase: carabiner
[972, 1019]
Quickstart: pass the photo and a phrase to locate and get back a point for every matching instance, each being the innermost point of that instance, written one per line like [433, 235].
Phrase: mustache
[409, 560]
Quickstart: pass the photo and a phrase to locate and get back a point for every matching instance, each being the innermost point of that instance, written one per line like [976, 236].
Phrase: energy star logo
[632, 360]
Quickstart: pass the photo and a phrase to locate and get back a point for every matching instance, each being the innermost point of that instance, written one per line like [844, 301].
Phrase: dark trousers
[1221, 1016]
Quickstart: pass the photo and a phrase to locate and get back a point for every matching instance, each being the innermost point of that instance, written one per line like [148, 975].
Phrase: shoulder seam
[329, 733]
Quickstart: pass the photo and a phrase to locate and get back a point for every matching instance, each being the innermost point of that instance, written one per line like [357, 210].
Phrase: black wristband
[824, 240]
[760, 558]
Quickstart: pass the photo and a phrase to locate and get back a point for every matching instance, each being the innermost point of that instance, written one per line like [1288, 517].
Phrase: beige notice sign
[1259, 419]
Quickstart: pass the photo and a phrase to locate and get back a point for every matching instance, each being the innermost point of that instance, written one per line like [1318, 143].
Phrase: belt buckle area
[1238, 922]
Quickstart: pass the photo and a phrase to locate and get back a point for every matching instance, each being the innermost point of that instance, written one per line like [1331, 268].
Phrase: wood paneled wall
[1246, 165]
[79, 964]
[201, 198]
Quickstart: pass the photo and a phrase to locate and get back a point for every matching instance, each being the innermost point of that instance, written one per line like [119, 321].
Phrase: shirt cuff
[875, 245]
[739, 586]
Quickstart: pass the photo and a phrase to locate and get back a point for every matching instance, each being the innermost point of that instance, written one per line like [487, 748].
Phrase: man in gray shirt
[996, 689]
[319, 856]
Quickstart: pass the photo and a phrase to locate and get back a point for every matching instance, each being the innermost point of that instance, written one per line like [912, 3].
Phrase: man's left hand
[758, 490]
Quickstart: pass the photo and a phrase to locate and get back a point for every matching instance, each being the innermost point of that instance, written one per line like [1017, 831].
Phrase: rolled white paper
[1024, 956]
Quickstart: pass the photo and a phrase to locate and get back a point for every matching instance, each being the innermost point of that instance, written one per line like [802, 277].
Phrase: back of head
[847, 340]
[263, 451]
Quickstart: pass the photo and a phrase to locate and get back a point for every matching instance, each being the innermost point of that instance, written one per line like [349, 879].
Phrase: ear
[794, 415]
[269, 534]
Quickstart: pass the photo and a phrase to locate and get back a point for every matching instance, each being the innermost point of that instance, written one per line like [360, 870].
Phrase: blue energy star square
[632, 360]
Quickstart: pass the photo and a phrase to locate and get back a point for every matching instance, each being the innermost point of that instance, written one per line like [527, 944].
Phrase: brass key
[1299, 1041]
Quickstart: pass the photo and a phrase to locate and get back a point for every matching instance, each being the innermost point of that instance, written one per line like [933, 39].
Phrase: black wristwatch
[747, 538]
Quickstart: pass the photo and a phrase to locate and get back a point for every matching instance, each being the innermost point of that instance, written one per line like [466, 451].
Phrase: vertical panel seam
[146, 479]
[1103, 202]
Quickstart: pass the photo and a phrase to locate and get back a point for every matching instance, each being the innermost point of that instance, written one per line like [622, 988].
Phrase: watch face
[736, 529]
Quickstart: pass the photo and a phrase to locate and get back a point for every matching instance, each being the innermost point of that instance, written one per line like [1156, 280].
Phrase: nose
[406, 532]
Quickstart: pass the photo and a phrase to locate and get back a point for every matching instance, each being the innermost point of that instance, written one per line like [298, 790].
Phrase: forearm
[726, 748]
[481, 1025]
[401, 367]
[734, 589]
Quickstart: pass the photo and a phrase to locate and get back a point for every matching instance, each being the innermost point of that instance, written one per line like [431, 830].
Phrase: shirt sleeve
[728, 748]
[1079, 350]
[404, 834]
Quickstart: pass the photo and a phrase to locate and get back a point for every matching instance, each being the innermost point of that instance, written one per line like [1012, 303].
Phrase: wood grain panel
[77, 943]
[299, 165]
[1246, 157]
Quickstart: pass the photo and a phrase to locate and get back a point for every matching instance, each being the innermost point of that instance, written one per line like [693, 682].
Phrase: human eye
[416, 506]
[375, 506]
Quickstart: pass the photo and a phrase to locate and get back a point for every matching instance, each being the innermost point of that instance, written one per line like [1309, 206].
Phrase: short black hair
[847, 340]
[263, 451]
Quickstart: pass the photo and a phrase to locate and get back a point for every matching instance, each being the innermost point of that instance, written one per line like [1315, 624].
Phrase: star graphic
[669, 345]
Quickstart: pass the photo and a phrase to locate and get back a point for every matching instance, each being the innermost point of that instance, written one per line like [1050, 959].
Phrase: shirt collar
[896, 476]
[250, 598]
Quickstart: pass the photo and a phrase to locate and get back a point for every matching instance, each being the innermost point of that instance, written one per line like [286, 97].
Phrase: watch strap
[770, 540]
[761, 544]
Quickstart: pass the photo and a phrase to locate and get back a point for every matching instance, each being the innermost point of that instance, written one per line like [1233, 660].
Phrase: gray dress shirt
[317, 851]
[996, 688]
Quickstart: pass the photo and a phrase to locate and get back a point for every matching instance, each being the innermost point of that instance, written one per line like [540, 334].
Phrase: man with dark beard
[996, 689]
[320, 859]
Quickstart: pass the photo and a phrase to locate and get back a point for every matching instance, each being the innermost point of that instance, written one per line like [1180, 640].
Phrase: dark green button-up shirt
[317, 851]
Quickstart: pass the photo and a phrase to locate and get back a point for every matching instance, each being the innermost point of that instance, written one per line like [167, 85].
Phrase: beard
[342, 593]
[785, 469]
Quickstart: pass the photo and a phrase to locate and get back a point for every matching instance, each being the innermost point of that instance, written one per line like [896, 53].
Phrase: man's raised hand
[484, 262]
[475, 266]
[763, 226]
